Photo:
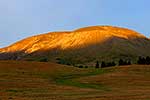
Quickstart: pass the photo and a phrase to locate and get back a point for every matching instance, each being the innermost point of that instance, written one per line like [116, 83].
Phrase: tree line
[144, 60]
[140, 61]
[112, 63]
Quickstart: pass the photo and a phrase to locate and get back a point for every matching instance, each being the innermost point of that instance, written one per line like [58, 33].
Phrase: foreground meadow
[20, 80]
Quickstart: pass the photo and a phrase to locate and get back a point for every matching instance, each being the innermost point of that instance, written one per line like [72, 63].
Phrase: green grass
[14, 90]
[70, 79]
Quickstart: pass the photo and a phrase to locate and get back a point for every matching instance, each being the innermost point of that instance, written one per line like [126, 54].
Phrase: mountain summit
[84, 45]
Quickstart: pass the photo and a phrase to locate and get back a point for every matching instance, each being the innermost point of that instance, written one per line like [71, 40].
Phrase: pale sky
[22, 18]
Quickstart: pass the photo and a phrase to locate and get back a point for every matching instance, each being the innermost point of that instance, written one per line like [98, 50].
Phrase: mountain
[81, 46]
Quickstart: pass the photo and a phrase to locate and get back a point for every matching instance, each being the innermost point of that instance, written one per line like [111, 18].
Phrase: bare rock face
[84, 45]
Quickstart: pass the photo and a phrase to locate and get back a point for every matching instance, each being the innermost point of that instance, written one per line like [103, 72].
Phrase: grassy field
[48, 81]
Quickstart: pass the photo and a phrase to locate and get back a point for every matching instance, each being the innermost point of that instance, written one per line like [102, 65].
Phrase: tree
[148, 60]
[103, 64]
[97, 64]
[141, 60]
[113, 63]
[121, 62]
[128, 62]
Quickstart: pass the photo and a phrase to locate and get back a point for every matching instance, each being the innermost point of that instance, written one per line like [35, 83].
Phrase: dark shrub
[86, 67]
[80, 66]
[43, 60]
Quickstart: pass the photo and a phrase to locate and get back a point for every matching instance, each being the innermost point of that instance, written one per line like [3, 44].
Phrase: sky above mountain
[23, 18]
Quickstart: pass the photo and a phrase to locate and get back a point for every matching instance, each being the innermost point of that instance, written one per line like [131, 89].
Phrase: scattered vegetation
[65, 61]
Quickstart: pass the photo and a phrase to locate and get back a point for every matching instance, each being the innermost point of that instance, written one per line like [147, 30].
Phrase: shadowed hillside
[82, 46]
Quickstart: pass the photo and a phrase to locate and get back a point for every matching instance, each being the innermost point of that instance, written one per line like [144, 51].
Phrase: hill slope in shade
[85, 45]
